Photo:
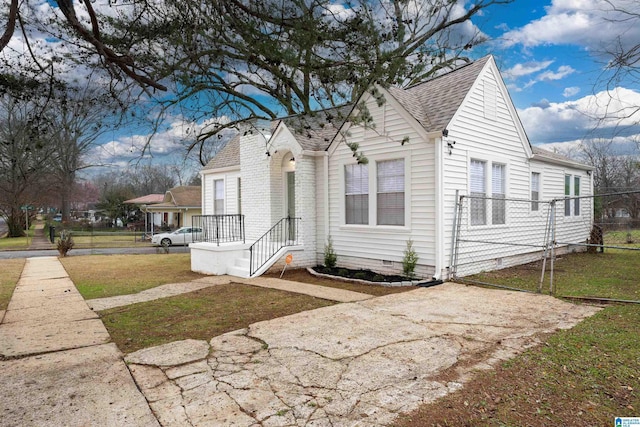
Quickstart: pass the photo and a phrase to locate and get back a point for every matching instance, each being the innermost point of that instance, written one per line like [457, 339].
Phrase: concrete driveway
[352, 364]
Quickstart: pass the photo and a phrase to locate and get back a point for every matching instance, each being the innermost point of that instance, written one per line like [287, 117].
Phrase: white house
[456, 134]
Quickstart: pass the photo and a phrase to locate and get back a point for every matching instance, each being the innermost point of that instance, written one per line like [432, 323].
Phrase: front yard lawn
[100, 276]
[202, 314]
[11, 271]
[584, 376]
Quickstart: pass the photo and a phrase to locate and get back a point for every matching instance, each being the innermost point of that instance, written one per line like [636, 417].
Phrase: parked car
[181, 236]
[57, 217]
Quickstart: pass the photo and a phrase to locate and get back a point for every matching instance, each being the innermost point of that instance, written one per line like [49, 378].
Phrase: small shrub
[378, 278]
[360, 275]
[65, 243]
[409, 260]
[343, 272]
[330, 257]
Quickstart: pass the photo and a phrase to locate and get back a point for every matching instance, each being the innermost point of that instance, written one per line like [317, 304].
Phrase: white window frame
[478, 188]
[488, 161]
[498, 191]
[356, 189]
[373, 226]
[535, 201]
[577, 182]
[218, 203]
[393, 188]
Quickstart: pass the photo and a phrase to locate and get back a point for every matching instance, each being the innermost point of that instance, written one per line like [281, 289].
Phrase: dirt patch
[302, 275]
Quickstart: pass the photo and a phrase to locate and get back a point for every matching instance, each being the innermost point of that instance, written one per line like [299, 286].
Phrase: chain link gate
[517, 243]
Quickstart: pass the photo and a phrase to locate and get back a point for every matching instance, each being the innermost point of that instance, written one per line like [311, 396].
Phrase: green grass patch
[99, 276]
[203, 314]
[612, 274]
[11, 271]
[584, 376]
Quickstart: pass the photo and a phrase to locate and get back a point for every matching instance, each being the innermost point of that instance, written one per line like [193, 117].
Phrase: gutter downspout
[439, 209]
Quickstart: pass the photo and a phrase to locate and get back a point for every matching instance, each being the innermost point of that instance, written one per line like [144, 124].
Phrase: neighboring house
[151, 220]
[177, 208]
[304, 168]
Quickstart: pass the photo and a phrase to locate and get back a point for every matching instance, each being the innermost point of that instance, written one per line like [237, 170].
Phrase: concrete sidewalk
[59, 367]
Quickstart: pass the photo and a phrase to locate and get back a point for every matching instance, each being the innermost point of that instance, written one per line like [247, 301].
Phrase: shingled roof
[184, 196]
[227, 157]
[543, 154]
[315, 132]
[434, 102]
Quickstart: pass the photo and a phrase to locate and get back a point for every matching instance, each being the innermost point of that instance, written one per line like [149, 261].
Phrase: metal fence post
[554, 207]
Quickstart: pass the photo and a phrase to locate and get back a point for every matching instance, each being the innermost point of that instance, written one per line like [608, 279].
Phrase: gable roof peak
[434, 102]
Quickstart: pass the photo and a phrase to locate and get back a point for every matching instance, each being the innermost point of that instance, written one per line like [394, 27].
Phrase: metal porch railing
[283, 233]
[219, 228]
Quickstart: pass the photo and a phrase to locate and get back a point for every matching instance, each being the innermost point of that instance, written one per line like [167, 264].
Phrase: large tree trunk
[16, 223]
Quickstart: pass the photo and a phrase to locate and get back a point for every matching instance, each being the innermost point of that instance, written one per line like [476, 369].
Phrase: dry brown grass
[99, 276]
[203, 314]
[11, 271]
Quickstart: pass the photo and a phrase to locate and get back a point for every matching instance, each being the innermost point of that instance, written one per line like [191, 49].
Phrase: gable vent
[490, 100]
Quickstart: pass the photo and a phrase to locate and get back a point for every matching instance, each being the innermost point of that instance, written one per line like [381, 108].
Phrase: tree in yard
[78, 120]
[112, 203]
[24, 155]
[226, 62]
[614, 173]
[237, 60]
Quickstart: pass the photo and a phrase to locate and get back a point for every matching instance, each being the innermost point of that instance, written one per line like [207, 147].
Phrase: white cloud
[593, 24]
[525, 69]
[604, 113]
[570, 91]
[562, 72]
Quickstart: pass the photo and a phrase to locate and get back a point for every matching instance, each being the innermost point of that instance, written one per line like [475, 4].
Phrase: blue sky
[548, 54]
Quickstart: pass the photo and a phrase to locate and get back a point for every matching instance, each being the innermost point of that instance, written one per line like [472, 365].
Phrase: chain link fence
[576, 247]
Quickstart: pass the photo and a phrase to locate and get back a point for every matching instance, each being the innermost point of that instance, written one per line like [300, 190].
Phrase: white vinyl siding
[239, 195]
[218, 197]
[356, 194]
[498, 191]
[360, 245]
[535, 191]
[390, 192]
[477, 186]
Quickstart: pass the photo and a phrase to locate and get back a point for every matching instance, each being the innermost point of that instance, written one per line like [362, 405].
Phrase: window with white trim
[356, 194]
[498, 193]
[535, 191]
[477, 187]
[567, 194]
[218, 197]
[390, 192]
[576, 193]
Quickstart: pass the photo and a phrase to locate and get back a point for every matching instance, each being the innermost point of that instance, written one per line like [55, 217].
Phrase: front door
[291, 194]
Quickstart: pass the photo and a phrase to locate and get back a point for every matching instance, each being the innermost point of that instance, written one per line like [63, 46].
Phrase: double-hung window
[535, 191]
[356, 194]
[567, 194]
[576, 192]
[478, 191]
[390, 192]
[498, 193]
[218, 197]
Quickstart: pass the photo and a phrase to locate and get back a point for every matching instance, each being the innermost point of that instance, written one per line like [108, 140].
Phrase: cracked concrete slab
[80, 387]
[360, 363]
[61, 369]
